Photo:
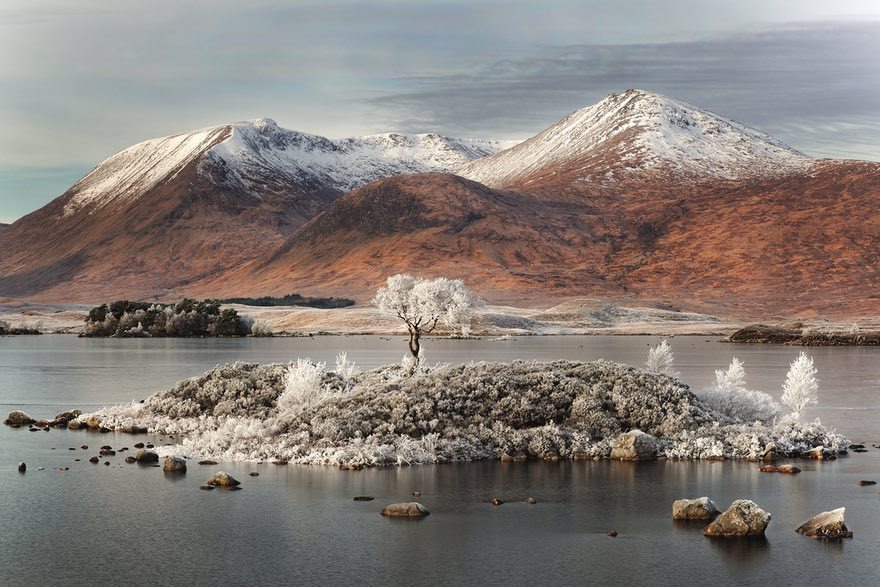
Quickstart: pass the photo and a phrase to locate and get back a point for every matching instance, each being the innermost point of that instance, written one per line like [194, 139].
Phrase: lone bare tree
[422, 304]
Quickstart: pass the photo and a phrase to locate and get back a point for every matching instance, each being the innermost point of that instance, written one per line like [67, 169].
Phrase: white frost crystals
[801, 386]
[386, 416]
[730, 397]
[660, 359]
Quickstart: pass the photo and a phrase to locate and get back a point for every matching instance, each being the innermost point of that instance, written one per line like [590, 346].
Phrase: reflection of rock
[223, 479]
[829, 525]
[174, 465]
[701, 508]
[742, 518]
[634, 445]
[405, 510]
[17, 418]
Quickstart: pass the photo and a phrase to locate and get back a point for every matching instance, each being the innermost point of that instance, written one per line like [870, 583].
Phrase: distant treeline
[188, 318]
[293, 299]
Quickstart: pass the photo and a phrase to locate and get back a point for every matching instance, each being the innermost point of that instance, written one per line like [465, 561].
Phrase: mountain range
[638, 198]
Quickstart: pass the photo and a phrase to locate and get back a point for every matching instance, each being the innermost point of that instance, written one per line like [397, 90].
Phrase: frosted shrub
[303, 387]
[261, 328]
[730, 398]
[801, 386]
[854, 329]
[345, 368]
[660, 359]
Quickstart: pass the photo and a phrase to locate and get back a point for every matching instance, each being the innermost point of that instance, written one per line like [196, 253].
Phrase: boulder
[22, 467]
[634, 445]
[865, 482]
[788, 469]
[412, 509]
[208, 462]
[106, 452]
[17, 418]
[742, 518]
[130, 460]
[64, 418]
[223, 479]
[701, 508]
[139, 445]
[820, 453]
[174, 465]
[146, 456]
[769, 469]
[134, 430]
[827, 525]
[94, 460]
[76, 425]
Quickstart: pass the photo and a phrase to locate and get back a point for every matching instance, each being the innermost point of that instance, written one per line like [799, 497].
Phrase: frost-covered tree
[422, 304]
[801, 386]
[854, 329]
[730, 397]
[660, 359]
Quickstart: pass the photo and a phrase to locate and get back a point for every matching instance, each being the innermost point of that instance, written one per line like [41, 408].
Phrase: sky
[82, 80]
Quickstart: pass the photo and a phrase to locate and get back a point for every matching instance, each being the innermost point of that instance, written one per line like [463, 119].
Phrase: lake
[298, 524]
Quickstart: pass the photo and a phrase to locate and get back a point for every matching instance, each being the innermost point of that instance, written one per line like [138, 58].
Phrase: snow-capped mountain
[251, 156]
[639, 131]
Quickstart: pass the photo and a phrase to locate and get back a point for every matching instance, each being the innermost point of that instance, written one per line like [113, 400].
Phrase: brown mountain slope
[165, 238]
[781, 245]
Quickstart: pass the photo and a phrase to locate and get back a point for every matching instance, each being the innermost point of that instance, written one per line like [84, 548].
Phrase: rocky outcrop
[223, 479]
[174, 465]
[412, 509]
[146, 456]
[17, 418]
[742, 518]
[634, 445]
[701, 508]
[827, 525]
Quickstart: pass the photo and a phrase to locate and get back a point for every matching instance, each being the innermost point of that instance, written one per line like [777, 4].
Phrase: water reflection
[744, 549]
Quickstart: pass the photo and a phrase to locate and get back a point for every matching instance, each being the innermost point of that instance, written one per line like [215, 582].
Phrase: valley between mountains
[640, 199]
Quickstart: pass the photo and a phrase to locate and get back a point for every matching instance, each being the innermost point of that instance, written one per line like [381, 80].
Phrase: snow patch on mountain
[250, 155]
[644, 131]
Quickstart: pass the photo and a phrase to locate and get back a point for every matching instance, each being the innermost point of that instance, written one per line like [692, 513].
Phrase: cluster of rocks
[19, 419]
[745, 518]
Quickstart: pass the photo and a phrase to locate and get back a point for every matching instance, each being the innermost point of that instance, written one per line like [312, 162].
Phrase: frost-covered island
[401, 415]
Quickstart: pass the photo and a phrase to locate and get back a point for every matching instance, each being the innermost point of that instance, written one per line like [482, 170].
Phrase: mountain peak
[638, 131]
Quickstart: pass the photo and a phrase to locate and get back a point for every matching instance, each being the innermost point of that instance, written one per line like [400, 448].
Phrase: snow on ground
[389, 416]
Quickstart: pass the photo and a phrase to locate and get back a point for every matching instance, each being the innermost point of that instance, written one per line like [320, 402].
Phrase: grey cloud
[813, 85]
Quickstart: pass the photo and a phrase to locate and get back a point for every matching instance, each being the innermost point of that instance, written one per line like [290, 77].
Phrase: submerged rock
[701, 508]
[412, 509]
[174, 465]
[865, 482]
[634, 445]
[18, 418]
[146, 456]
[364, 498]
[827, 525]
[223, 479]
[742, 518]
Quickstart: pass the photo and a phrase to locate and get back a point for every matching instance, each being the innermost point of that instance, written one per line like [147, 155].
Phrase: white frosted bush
[660, 359]
[732, 400]
[801, 386]
[345, 368]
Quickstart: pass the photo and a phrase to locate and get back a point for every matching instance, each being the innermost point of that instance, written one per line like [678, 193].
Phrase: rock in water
[223, 479]
[742, 518]
[17, 418]
[174, 465]
[828, 525]
[22, 467]
[412, 509]
[634, 445]
[64, 418]
[146, 456]
[701, 508]
[788, 469]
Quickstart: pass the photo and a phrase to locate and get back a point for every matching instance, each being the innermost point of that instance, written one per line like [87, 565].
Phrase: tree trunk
[414, 343]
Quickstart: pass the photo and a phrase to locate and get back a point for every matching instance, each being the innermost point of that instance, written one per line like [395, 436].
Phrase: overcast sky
[82, 80]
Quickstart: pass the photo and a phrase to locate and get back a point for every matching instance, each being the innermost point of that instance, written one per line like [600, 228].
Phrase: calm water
[298, 525]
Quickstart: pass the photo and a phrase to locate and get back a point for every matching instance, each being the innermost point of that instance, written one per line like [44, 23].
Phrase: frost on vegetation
[261, 327]
[730, 398]
[660, 359]
[801, 386]
[345, 368]
[302, 413]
